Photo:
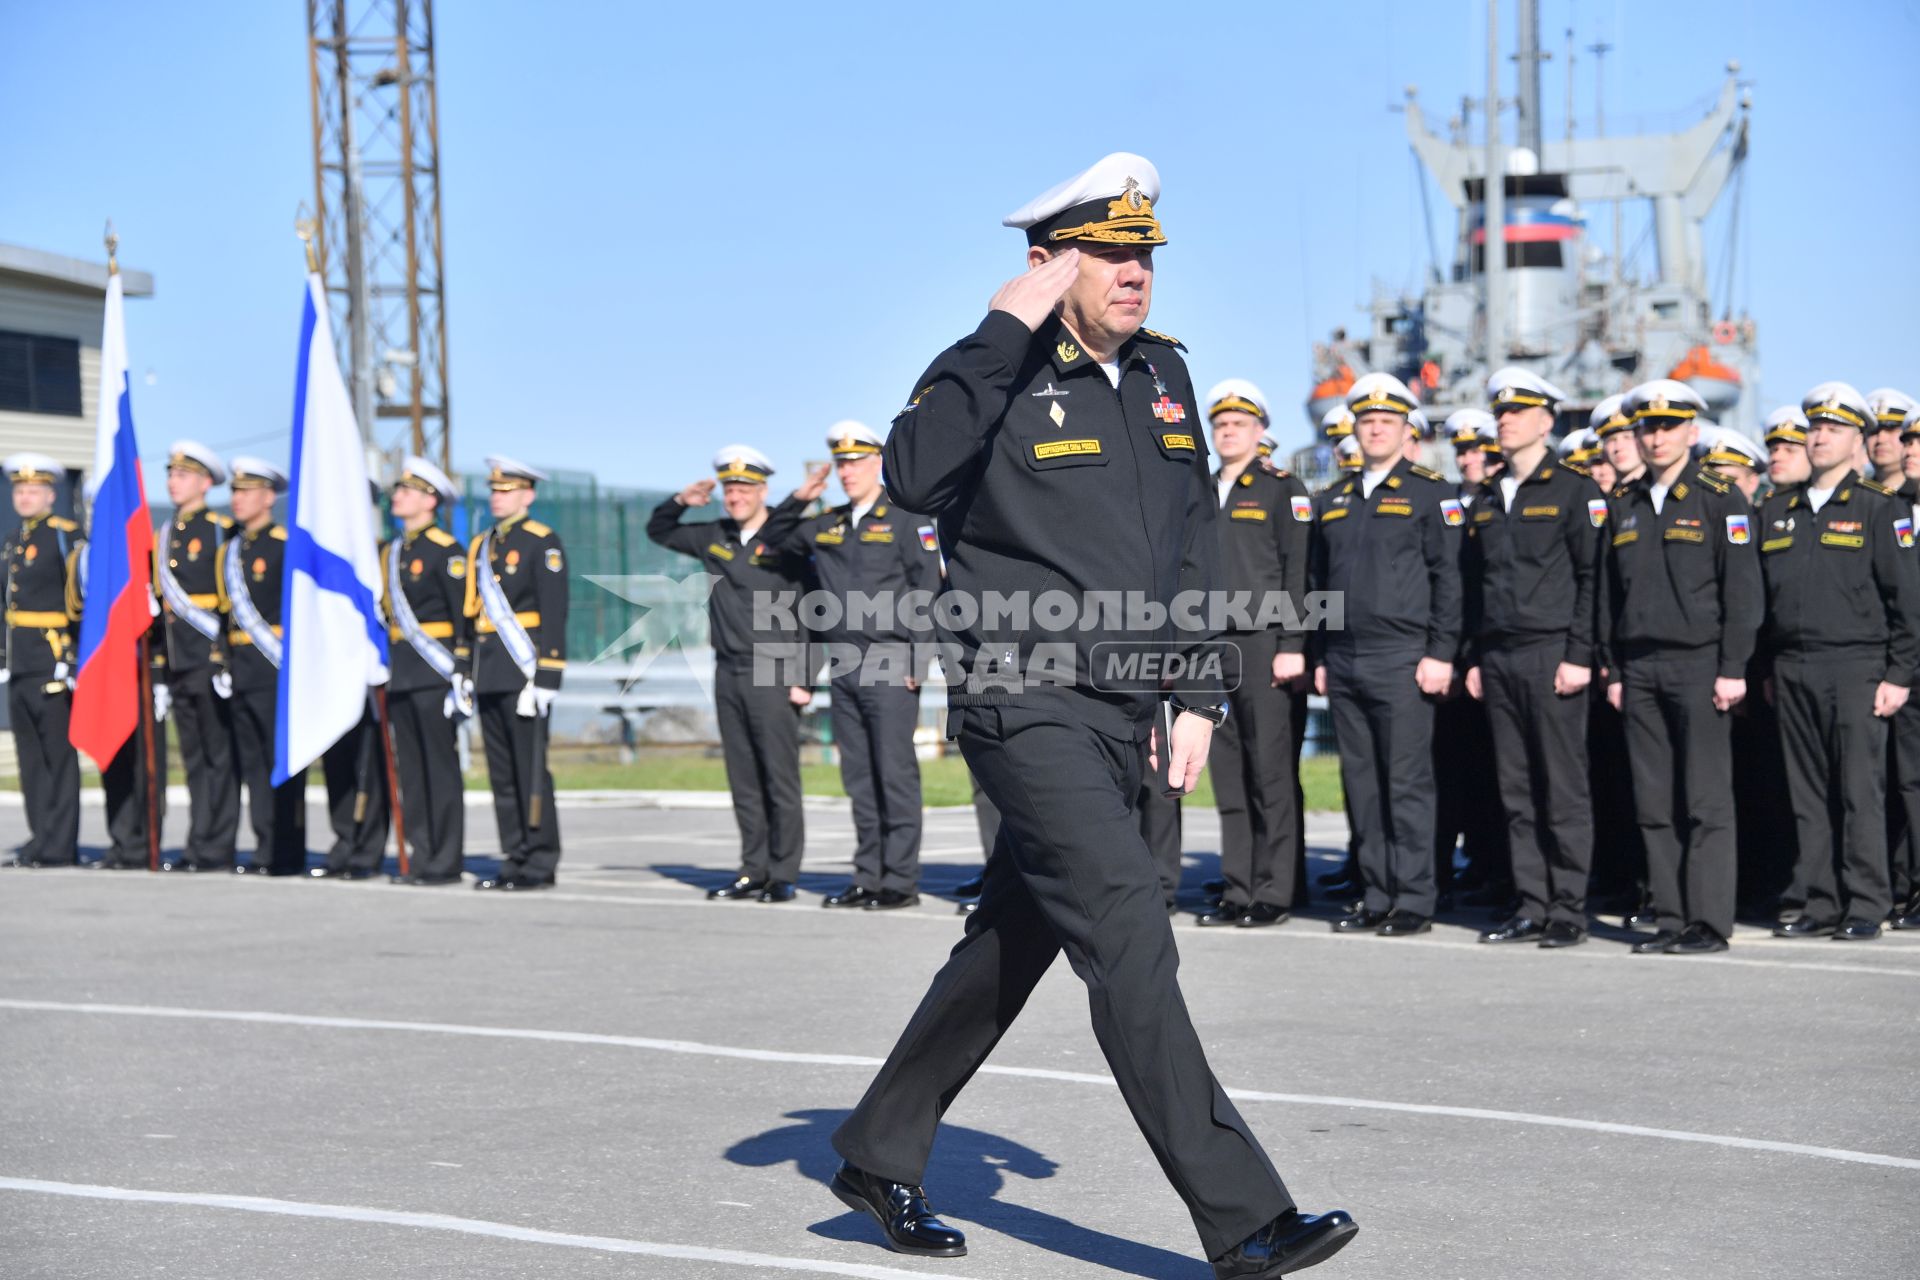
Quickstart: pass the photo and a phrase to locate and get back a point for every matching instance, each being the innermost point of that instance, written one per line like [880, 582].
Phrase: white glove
[534, 701]
[458, 705]
[543, 699]
[61, 671]
[5, 675]
[223, 684]
[162, 701]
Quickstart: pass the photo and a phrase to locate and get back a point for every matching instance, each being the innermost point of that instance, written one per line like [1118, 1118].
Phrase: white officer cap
[1580, 447]
[1348, 451]
[1108, 204]
[1237, 395]
[191, 455]
[1836, 402]
[1422, 429]
[742, 463]
[33, 468]
[1786, 425]
[1337, 422]
[417, 473]
[1490, 433]
[1665, 399]
[249, 472]
[1911, 427]
[504, 473]
[1728, 448]
[1468, 428]
[1610, 417]
[1267, 445]
[1380, 392]
[1890, 407]
[849, 439]
[1517, 388]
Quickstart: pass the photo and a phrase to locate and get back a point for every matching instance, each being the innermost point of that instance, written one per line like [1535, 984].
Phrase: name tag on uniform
[1539, 513]
[1777, 544]
[1064, 448]
[1333, 513]
[1851, 541]
[876, 535]
[1248, 513]
[1684, 535]
[1178, 442]
[1394, 508]
[830, 537]
[1483, 515]
[715, 549]
[1623, 538]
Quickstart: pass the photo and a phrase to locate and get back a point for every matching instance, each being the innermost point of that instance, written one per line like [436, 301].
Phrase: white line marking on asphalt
[1025, 1073]
[466, 1226]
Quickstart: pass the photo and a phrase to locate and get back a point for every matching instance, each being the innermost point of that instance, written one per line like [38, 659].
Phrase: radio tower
[376, 178]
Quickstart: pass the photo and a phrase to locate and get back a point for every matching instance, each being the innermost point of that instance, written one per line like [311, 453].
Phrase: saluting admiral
[423, 574]
[517, 598]
[36, 662]
[249, 581]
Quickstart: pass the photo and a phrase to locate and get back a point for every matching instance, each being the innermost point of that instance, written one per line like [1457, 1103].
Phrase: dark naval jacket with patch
[746, 568]
[1686, 577]
[262, 555]
[433, 578]
[1841, 581]
[888, 550]
[1045, 477]
[1529, 571]
[1266, 524]
[525, 557]
[40, 633]
[1395, 559]
[190, 547]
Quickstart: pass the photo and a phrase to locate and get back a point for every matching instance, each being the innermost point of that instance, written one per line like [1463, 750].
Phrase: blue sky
[673, 226]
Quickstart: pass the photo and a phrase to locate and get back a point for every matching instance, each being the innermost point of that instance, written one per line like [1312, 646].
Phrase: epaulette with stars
[1166, 339]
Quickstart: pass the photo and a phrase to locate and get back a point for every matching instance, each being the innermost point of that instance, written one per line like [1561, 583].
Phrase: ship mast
[1493, 256]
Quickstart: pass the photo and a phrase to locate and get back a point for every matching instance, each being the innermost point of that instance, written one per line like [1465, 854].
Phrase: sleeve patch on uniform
[1740, 534]
[929, 540]
[1302, 508]
[456, 566]
[1597, 514]
[1453, 512]
[1902, 529]
[555, 561]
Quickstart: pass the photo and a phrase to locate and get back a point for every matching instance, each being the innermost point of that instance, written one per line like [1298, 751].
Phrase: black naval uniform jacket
[1841, 581]
[1395, 558]
[1266, 525]
[1529, 573]
[262, 555]
[744, 568]
[1046, 478]
[433, 577]
[39, 632]
[889, 551]
[530, 565]
[1685, 577]
[192, 547]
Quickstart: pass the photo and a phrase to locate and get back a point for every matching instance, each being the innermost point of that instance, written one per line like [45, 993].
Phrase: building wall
[29, 306]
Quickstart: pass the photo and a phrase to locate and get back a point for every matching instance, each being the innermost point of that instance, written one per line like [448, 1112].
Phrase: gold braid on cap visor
[1521, 398]
[1837, 412]
[1236, 404]
[1130, 220]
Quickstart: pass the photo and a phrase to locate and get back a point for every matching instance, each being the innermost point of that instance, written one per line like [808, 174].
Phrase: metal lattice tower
[376, 174]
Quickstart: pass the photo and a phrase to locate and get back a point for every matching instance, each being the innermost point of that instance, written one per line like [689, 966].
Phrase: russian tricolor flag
[119, 566]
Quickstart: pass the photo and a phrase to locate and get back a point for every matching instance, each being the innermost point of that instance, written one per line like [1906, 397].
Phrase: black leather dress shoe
[1699, 940]
[324, 873]
[1262, 914]
[902, 1212]
[851, 896]
[1909, 920]
[1292, 1242]
[743, 889]
[1518, 929]
[189, 868]
[1225, 913]
[1804, 926]
[1658, 945]
[1857, 930]
[967, 908]
[500, 882]
[777, 891]
[891, 900]
[1563, 933]
[249, 869]
[1404, 924]
[1361, 921]
[970, 888]
[1644, 918]
[521, 884]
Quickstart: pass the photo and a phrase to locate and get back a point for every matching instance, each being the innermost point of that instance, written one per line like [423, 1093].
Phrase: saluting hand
[814, 485]
[696, 494]
[1030, 298]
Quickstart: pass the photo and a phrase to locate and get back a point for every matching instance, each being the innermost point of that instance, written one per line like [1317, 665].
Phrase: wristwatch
[1216, 714]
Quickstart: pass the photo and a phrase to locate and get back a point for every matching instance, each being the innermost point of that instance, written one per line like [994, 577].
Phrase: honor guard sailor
[192, 686]
[354, 770]
[759, 657]
[248, 580]
[36, 662]
[423, 576]
[516, 596]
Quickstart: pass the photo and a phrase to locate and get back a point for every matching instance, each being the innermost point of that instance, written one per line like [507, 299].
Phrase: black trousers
[358, 760]
[1468, 817]
[278, 815]
[985, 816]
[1682, 754]
[1619, 859]
[1384, 725]
[1903, 807]
[760, 739]
[1763, 810]
[1836, 751]
[124, 783]
[1160, 828]
[1540, 759]
[1070, 873]
[526, 852]
[873, 728]
[49, 767]
[426, 754]
[1256, 779]
[205, 722]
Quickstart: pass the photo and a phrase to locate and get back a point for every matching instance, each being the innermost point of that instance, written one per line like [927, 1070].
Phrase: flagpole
[385, 728]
